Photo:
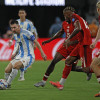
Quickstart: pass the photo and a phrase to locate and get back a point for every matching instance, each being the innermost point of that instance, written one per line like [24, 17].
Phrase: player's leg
[86, 61]
[8, 70]
[50, 69]
[21, 78]
[17, 65]
[66, 71]
[95, 65]
[27, 61]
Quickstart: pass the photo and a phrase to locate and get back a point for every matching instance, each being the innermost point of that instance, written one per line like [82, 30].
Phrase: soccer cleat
[57, 85]
[25, 71]
[97, 95]
[89, 75]
[21, 79]
[9, 86]
[41, 83]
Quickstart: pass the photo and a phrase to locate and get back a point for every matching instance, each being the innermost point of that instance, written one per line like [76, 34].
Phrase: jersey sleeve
[30, 36]
[32, 27]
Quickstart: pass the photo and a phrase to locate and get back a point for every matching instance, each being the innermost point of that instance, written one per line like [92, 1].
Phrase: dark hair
[22, 10]
[13, 22]
[69, 8]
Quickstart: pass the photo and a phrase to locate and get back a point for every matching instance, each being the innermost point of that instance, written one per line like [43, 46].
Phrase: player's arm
[76, 30]
[10, 41]
[71, 43]
[40, 49]
[96, 39]
[15, 51]
[57, 35]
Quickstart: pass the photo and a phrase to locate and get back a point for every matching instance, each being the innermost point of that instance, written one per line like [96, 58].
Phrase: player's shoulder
[29, 21]
[25, 32]
[18, 20]
[64, 23]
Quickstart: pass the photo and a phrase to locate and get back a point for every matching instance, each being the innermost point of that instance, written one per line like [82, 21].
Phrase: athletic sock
[62, 81]
[22, 74]
[66, 71]
[12, 75]
[45, 77]
[6, 76]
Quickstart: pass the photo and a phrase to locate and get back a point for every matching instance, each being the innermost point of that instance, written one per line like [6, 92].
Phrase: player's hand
[44, 42]
[34, 46]
[92, 45]
[10, 43]
[67, 43]
[44, 56]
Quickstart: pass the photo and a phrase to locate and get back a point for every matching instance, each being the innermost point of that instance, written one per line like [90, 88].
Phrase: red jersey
[85, 36]
[68, 29]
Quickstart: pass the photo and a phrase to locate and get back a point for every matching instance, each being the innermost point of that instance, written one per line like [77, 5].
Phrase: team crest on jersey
[67, 26]
[67, 30]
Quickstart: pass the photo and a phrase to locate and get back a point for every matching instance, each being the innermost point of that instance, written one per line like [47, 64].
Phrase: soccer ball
[3, 84]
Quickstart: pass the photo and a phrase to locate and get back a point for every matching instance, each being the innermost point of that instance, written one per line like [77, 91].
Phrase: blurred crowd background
[48, 19]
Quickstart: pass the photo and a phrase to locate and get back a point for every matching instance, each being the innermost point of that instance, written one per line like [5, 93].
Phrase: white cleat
[21, 79]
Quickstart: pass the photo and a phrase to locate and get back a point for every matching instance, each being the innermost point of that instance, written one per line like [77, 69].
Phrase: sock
[66, 71]
[98, 78]
[45, 77]
[43, 81]
[12, 75]
[22, 74]
[62, 81]
[6, 76]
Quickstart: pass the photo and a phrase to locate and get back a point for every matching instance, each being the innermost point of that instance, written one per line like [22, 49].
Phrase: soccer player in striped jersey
[27, 25]
[24, 51]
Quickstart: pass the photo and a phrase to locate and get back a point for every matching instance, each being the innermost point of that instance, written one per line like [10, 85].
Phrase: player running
[95, 65]
[82, 50]
[25, 51]
[27, 25]
[62, 53]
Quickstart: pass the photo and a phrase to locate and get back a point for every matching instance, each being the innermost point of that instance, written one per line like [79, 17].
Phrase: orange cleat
[57, 85]
[97, 95]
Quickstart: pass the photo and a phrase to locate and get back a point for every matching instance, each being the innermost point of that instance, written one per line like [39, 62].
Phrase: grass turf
[75, 88]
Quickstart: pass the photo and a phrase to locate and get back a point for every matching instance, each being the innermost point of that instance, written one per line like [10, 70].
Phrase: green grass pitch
[75, 88]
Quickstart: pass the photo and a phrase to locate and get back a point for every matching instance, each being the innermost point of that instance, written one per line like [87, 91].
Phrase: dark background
[43, 17]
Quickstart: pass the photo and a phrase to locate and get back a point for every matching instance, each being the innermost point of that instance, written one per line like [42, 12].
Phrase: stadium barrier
[49, 49]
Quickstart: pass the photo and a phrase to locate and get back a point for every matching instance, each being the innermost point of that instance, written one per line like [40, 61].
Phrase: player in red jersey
[82, 50]
[68, 28]
[95, 65]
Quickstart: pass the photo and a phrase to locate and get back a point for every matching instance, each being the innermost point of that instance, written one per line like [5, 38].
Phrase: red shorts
[83, 52]
[65, 52]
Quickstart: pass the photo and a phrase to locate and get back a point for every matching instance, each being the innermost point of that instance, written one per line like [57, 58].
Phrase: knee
[15, 66]
[67, 62]
[7, 70]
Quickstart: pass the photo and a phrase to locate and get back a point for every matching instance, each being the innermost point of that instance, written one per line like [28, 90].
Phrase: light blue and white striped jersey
[24, 44]
[28, 25]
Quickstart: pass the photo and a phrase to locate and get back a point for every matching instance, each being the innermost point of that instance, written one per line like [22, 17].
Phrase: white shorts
[27, 61]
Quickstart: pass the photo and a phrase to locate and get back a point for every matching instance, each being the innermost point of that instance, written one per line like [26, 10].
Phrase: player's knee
[68, 62]
[16, 66]
[6, 70]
